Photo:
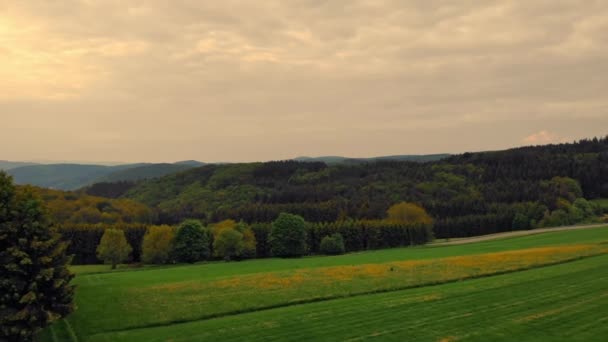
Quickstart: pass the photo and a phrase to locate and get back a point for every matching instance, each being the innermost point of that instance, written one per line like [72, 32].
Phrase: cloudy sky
[272, 79]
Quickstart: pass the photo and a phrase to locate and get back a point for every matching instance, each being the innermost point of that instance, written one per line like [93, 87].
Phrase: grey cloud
[251, 80]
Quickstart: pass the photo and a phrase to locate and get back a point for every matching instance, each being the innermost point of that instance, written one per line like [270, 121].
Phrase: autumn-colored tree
[249, 244]
[228, 244]
[158, 244]
[218, 227]
[35, 285]
[113, 247]
[409, 213]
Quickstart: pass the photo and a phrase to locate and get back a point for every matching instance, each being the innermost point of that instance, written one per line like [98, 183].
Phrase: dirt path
[460, 241]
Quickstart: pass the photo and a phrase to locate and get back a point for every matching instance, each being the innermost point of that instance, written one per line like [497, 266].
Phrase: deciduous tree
[113, 247]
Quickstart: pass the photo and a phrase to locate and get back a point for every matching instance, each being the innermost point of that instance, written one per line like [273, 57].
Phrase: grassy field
[185, 301]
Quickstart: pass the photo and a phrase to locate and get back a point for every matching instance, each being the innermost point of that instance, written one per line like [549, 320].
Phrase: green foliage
[158, 245]
[369, 234]
[567, 214]
[84, 239]
[261, 232]
[228, 244]
[191, 242]
[35, 285]
[332, 244]
[560, 188]
[520, 222]
[113, 247]
[288, 236]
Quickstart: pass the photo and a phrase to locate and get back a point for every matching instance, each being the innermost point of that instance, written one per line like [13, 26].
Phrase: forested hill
[471, 192]
[75, 176]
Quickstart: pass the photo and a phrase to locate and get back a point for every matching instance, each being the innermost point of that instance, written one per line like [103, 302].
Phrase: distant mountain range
[7, 165]
[75, 176]
[72, 176]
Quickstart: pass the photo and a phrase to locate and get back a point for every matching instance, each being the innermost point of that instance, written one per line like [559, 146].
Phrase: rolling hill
[76, 176]
[7, 165]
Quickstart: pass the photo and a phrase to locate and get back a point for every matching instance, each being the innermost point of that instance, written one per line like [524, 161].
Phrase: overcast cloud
[259, 80]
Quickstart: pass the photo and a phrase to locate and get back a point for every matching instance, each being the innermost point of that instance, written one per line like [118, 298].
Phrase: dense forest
[468, 194]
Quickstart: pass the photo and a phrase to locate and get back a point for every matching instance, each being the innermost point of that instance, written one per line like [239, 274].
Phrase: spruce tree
[35, 285]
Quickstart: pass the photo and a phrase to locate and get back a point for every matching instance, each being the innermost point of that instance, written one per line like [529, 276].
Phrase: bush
[158, 245]
[288, 236]
[332, 245]
[113, 248]
[191, 242]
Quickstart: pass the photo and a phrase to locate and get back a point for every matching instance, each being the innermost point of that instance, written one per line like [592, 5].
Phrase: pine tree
[34, 275]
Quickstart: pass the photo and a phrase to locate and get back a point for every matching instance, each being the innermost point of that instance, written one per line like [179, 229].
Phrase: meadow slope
[117, 304]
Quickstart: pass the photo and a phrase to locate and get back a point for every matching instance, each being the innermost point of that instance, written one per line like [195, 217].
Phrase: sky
[161, 81]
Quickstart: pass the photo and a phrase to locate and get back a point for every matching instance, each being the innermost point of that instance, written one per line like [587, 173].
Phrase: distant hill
[7, 165]
[338, 159]
[467, 194]
[194, 163]
[147, 171]
[76, 176]
[63, 176]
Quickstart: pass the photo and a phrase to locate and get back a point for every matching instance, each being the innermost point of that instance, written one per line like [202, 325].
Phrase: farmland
[391, 293]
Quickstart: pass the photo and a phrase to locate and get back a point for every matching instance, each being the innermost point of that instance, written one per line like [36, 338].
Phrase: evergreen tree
[35, 285]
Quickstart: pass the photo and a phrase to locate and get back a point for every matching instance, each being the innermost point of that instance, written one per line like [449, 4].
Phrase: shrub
[288, 236]
[35, 285]
[191, 242]
[158, 245]
[113, 248]
[332, 245]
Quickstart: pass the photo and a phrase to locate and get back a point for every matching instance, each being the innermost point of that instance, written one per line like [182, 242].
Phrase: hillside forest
[464, 195]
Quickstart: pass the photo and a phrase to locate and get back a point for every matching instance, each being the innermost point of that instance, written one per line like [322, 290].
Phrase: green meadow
[530, 287]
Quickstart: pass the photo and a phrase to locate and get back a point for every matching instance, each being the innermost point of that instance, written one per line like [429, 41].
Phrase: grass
[157, 298]
[566, 302]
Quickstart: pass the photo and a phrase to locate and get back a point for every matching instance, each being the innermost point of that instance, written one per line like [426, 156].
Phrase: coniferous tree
[35, 285]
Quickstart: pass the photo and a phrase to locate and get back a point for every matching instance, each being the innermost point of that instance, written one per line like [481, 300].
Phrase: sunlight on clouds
[543, 137]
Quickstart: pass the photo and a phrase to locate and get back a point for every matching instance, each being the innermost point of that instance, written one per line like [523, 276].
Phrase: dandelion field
[182, 302]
